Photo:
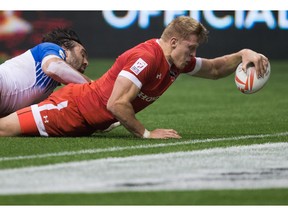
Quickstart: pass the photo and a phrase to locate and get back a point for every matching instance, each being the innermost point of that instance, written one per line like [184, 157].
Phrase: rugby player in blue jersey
[32, 76]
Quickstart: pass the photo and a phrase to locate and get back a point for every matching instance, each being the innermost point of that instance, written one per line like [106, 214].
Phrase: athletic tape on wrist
[146, 134]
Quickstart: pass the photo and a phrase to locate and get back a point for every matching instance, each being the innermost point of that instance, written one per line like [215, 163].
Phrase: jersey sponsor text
[146, 97]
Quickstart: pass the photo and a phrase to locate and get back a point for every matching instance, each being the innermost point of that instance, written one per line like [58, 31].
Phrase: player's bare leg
[9, 125]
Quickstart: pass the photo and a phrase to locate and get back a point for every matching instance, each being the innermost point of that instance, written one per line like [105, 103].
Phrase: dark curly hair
[62, 37]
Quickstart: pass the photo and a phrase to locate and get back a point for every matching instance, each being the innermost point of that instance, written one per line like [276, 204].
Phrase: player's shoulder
[46, 48]
[148, 50]
[151, 46]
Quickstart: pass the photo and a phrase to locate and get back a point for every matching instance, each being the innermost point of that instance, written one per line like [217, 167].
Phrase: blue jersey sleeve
[42, 50]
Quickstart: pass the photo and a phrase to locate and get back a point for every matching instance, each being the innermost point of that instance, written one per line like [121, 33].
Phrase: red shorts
[27, 123]
[50, 119]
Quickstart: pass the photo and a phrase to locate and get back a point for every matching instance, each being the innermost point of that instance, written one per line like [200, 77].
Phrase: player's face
[184, 50]
[77, 58]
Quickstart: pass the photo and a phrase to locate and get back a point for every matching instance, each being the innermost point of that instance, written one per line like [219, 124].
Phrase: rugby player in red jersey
[137, 78]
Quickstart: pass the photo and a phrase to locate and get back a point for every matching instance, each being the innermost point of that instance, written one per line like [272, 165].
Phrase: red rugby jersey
[146, 66]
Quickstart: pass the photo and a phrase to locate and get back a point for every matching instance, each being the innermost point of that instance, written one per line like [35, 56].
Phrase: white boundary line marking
[255, 166]
[145, 146]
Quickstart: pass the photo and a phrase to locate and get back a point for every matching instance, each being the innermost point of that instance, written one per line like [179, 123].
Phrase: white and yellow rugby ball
[248, 82]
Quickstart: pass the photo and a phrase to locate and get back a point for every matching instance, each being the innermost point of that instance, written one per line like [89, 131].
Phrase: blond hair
[183, 27]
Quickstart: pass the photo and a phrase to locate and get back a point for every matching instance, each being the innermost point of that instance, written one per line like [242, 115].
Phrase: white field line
[254, 166]
[145, 146]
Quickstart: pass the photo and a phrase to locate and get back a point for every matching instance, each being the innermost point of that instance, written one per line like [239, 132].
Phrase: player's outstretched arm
[119, 104]
[62, 72]
[225, 65]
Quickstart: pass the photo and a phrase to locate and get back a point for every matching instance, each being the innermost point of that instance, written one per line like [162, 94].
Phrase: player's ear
[67, 52]
[173, 42]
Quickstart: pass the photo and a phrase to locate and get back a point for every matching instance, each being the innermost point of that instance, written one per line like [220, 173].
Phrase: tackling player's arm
[119, 104]
[62, 72]
[223, 66]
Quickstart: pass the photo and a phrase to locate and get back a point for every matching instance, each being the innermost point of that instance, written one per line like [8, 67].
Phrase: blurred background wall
[106, 34]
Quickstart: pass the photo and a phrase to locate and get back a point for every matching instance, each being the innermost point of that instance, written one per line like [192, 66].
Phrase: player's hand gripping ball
[248, 82]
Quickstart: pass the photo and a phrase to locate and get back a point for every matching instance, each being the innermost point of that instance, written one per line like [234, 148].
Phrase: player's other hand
[164, 134]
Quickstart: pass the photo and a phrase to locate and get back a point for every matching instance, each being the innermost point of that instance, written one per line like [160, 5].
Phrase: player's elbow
[111, 106]
[216, 74]
[116, 107]
[216, 69]
[215, 77]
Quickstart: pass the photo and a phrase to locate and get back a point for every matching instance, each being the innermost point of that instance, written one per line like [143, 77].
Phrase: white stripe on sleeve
[131, 77]
[197, 67]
